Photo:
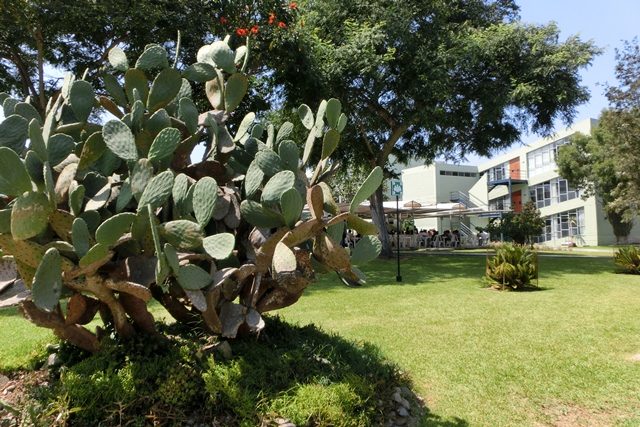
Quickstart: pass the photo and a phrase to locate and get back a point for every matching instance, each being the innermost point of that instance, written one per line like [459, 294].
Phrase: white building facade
[510, 180]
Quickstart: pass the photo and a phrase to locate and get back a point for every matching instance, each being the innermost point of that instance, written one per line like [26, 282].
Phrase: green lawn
[559, 356]
[556, 357]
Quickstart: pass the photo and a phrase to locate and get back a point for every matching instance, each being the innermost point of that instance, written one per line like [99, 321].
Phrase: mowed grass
[561, 356]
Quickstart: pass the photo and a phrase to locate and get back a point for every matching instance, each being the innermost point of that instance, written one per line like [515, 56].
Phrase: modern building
[510, 180]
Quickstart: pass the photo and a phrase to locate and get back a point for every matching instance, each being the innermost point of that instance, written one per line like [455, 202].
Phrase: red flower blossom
[242, 32]
[223, 20]
[254, 29]
[282, 24]
[293, 5]
[272, 17]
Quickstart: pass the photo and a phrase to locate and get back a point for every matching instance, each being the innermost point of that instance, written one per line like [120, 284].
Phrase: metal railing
[469, 201]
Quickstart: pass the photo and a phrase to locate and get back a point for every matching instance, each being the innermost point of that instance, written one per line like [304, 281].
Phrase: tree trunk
[378, 217]
[621, 227]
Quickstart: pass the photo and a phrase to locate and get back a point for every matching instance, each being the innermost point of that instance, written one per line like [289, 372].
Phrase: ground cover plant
[300, 373]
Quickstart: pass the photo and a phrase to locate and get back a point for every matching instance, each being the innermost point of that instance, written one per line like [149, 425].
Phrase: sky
[607, 23]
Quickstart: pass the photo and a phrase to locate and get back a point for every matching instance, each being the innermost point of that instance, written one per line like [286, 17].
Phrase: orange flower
[293, 5]
[223, 20]
[242, 32]
[254, 29]
[282, 24]
[272, 17]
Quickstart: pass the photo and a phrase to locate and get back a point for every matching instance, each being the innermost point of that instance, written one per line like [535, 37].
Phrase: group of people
[434, 239]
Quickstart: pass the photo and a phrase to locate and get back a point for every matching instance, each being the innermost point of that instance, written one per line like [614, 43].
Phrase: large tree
[588, 162]
[423, 78]
[41, 39]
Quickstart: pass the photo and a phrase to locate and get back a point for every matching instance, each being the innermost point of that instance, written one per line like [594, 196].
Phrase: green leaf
[289, 155]
[92, 149]
[59, 147]
[291, 204]
[157, 191]
[113, 228]
[284, 260]
[193, 278]
[29, 215]
[13, 132]
[189, 114]
[171, 256]
[27, 111]
[136, 79]
[164, 144]
[118, 59]
[306, 115]
[199, 72]
[205, 197]
[234, 91]
[333, 112]
[259, 216]
[82, 99]
[36, 141]
[141, 176]
[118, 137]
[47, 281]
[269, 162]
[329, 143]
[278, 184]
[14, 171]
[96, 253]
[182, 234]
[154, 56]
[219, 246]
[114, 89]
[366, 249]
[165, 87]
[80, 237]
[369, 186]
[222, 57]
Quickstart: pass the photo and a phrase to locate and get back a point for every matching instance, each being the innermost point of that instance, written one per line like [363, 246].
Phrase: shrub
[109, 216]
[628, 258]
[513, 267]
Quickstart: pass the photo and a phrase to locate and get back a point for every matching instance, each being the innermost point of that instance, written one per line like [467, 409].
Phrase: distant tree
[588, 162]
[424, 78]
[519, 227]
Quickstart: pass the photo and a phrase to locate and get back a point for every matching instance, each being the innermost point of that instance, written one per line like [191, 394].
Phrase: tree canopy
[519, 227]
[430, 78]
[588, 162]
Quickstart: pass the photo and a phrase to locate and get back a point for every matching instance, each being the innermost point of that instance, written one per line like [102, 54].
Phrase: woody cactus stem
[111, 216]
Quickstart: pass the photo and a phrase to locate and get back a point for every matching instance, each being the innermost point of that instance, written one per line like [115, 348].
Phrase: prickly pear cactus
[110, 216]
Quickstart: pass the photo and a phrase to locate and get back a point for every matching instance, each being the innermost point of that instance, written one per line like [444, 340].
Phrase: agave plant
[628, 258]
[513, 267]
[110, 216]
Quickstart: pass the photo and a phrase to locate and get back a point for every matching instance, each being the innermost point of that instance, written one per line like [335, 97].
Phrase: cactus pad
[269, 162]
[59, 147]
[154, 56]
[13, 171]
[136, 79]
[306, 116]
[289, 155]
[333, 112]
[205, 196]
[157, 191]
[92, 149]
[199, 72]
[368, 187]
[118, 59]
[284, 259]
[30, 215]
[259, 216]
[47, 281]
[234, 91]
[80, 237]
[368, 248]
[329, 143]
[118, 137]
[278, 184]
[13, 132]
[113, 228]
[193, 278]
[291, 205]
[164, 88]
[81, 98]
[182, 234]
[219, 246]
